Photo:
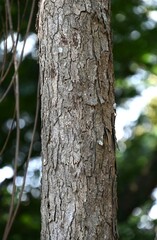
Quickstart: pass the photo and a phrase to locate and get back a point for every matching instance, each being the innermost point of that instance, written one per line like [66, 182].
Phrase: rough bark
[77, 113]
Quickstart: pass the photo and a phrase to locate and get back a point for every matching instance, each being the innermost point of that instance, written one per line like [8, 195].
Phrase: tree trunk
[77, 111]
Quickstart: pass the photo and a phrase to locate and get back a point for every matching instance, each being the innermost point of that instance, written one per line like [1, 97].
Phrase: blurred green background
[134, 30]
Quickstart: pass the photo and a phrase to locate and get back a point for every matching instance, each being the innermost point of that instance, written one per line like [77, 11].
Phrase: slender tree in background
[77, 113]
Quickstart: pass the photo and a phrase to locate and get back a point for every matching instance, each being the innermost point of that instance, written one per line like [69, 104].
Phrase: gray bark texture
[78, 199]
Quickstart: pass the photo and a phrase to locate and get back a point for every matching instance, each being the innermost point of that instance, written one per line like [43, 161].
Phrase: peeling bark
[77, 98]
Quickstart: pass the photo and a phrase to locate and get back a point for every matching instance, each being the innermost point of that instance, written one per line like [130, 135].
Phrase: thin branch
[12, 211]
[28, 158]
[8, 136]
[17, 110]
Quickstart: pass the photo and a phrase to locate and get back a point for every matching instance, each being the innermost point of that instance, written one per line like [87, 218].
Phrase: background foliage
[135, 63]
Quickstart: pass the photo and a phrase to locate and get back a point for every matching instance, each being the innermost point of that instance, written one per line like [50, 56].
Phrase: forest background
[134, 30]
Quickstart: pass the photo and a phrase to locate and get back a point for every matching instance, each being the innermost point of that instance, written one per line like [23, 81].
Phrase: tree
[77, 113]
[134, 30]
